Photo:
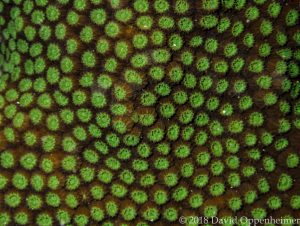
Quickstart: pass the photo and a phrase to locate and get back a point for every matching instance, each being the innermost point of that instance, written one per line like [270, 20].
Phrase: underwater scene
[149, 112]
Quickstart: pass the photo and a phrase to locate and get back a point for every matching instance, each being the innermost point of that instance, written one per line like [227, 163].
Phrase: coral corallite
[117, 112]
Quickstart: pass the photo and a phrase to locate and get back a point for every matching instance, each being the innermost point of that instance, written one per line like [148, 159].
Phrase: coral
[21, 218]
[138, 112]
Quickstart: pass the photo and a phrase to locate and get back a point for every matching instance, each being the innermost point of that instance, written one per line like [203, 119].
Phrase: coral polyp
[116, 112]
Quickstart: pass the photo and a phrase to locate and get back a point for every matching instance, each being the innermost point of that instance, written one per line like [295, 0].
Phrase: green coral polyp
[52, 199]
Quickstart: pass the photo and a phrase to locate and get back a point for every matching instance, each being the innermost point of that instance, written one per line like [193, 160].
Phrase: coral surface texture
[149, 112]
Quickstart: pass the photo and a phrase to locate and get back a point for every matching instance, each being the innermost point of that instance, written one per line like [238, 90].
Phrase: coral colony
[121, 113]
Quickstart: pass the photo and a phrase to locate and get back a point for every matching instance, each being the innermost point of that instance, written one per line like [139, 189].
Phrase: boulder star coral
[118, 112]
